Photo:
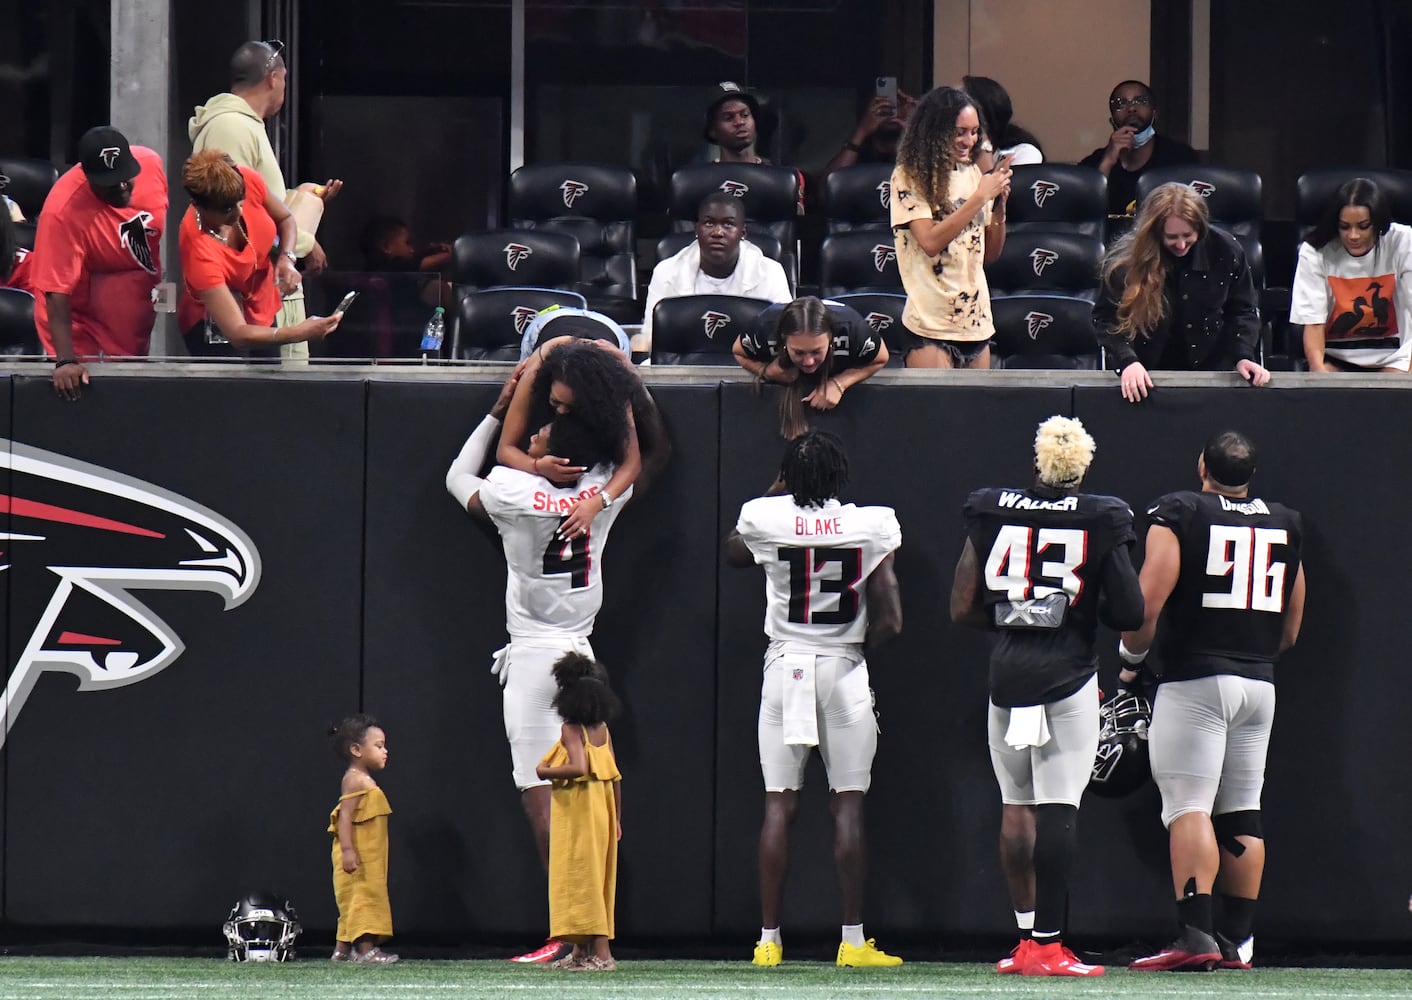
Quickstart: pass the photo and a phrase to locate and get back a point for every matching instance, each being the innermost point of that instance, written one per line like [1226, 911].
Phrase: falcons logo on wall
[878, 322]
[736, 189]
[1037, 321]
[712, 321]
[522, 316]
[1204, 188]
[571, 190]
[133, 234]
[1041, 257]
[1042, 190]
[80, 540]
[885, 193]
[515, 253]
[882, 253]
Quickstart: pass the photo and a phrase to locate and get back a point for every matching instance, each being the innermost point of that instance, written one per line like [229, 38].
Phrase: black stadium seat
[27, 182]
[1044, 331]
[515, 257]
[1034, 261]
[490, 324]
[1317, 188]
[701, 329]
[1232, 195]
[18, 336]
[1057, 196]
[859, 197]
[597, 205]
[864, 260]
[882, 311]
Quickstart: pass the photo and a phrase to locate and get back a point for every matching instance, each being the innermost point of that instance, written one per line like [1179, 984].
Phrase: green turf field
[314, 979]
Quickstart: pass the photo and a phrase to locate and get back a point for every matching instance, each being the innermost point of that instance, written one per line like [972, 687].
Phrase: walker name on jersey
[1018, 501]
[552, 504]
[1249, 507]
[818, 526]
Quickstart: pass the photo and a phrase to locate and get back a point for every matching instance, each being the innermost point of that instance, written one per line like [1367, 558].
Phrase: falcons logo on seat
[882, 253]
[521, 315]
[515, 253]
[571, 190]
[736, 189]
[885, 193]
[1037, 321]
[4, 182]
[1041, 191]
[1204, 188]
[79, 540]
[1040, 258]
[133, 233]
[712, 321]
[878, 322]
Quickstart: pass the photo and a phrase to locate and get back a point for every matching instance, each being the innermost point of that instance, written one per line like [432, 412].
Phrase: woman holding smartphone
[231, 290]
[948, 219]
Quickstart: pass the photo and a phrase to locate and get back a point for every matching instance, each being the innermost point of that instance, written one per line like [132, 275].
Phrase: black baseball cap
[106, 157]
[728, 92]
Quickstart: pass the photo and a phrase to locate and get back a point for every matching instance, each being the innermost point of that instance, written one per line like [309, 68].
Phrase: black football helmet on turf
[261, 928]
[1121, 765]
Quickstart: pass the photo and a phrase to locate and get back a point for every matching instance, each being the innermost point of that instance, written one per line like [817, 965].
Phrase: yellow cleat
[867, 957]
[767, 954]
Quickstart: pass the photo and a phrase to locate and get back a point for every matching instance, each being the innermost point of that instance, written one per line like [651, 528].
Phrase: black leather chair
[859, 197]
[1059, 197]
[27, 182]
[490, 324]
[864, 260]
[1232, 195]
[515, 257]
[1315, 189]
[770, 195]
[882, 311]
[24, 234]
[700, 329]
[1039, 261]
[1044, 331]
[18, 336]
[597, 205]
[674, 243]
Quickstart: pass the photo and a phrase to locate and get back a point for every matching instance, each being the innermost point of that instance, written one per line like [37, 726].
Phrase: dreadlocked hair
[814, 468]
[584, 697]
[212, 180]
[927, 150]
[806, 314]
[1140, 255]
[603, 391]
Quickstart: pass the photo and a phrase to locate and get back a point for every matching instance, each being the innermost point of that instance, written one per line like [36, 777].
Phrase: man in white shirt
[720, 262]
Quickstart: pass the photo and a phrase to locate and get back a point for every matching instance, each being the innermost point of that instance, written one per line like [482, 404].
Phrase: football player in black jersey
[1225, 567]
[817, 348]
[1039, 567]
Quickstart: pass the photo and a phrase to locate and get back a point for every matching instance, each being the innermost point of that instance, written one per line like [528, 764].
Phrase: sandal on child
[595, 964]
[375, 956]
[568, 962]
[339, 956]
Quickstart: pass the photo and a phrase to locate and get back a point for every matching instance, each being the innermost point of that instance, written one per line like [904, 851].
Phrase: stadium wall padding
[213, 777]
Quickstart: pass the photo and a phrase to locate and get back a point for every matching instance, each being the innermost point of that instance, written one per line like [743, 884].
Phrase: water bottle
[434, 333]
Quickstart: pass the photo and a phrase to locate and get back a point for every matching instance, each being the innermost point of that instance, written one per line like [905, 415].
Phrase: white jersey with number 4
[553, 587]
[817, 562]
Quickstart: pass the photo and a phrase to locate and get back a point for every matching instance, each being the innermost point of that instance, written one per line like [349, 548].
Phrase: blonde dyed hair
[1140, 253]
[212, 180]
[1063, 451]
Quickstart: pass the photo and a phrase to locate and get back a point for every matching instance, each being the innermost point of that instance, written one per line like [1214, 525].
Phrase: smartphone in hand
[345, 303]
[886, 86]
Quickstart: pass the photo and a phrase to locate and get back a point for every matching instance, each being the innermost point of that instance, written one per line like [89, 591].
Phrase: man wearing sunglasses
[1134, 147]
[234, 123]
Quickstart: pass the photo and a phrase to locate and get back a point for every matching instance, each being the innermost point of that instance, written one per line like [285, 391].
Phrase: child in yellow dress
[585, 815]
[359, 823]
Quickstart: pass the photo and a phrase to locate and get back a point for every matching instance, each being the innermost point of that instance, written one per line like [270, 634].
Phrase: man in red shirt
[97, 256]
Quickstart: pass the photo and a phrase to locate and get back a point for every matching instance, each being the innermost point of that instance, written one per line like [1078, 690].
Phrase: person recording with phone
[879, 129]
[1135, 147]
[233, 278]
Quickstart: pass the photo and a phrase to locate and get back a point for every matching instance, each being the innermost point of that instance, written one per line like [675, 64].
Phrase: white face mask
[1142, 138]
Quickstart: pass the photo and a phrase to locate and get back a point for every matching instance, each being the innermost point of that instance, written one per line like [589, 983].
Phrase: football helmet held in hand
[1121, 765]
[261, 928]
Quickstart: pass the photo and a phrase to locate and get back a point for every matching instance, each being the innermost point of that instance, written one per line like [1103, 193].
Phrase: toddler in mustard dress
[585, 819]
[359, 826]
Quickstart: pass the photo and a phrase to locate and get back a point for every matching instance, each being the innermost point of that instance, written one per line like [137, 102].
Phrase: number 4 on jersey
[568, 555]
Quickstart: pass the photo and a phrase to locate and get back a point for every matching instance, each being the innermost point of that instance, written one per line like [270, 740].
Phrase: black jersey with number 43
[1240, 558]
[1036, 542]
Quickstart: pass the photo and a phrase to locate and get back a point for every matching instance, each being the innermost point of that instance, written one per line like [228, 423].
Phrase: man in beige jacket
[234, 123]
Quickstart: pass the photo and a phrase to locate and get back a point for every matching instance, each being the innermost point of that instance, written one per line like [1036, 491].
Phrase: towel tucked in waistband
[801, 717]
[1028, 727]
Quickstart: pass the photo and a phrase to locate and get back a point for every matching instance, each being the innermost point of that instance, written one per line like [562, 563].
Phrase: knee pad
[1231, 826]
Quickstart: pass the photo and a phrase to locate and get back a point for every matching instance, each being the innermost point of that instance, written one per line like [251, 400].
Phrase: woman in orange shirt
[231, 289]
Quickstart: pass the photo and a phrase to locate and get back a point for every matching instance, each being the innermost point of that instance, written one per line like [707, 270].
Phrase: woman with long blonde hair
[1177, 295]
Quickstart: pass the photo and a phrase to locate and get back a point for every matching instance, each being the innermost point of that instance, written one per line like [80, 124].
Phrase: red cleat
[1014, 963]
[1055, 960]
[547, 952]
[1194, 951]
[1236, 956]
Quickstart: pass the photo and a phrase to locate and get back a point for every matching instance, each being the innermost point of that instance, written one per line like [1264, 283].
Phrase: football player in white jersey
[554, 584]
[830, 590]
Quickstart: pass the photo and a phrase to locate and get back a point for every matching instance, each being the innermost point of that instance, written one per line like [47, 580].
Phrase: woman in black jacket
[1177, 295]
